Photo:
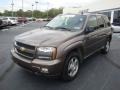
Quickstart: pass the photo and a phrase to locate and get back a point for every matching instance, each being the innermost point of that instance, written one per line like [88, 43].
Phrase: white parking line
[4, 30]
[116, 35]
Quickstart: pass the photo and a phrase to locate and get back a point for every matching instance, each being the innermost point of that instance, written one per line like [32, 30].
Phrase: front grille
[25, 50]
[25, 45]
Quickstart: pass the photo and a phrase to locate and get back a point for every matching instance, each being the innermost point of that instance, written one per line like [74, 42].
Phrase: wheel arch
[110, 37]
[77, 49]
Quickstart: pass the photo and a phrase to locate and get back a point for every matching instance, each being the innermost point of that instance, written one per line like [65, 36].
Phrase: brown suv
[60, 46]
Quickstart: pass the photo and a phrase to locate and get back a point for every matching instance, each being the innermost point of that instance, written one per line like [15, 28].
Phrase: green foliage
[20, 13]
[1, 14]
[28, 13]
[36, 13]
[7, 13]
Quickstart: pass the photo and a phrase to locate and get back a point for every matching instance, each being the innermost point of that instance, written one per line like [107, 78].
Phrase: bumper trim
[20, 58]
[54, 66]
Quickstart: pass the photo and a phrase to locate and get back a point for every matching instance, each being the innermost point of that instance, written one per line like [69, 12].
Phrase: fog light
[44, 70]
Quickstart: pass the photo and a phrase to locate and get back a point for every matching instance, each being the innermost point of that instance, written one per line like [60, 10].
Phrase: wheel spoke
[73, 66]
[107, 46]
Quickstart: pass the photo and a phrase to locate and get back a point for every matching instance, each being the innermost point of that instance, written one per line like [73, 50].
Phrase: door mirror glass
[89, 29]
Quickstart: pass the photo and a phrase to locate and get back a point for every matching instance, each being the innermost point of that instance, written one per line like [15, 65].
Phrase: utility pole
[47, 9]
[32, 10]
[22, 8]
[12, 4]
[36, 4]
[23, 13]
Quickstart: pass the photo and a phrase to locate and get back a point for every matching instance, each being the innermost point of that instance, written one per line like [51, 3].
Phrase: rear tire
[106, 48]
[71, 67]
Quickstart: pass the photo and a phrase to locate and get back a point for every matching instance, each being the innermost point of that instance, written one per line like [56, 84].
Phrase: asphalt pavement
[98, 72]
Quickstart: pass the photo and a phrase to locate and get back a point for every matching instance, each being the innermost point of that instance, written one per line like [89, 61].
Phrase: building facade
[111, 8]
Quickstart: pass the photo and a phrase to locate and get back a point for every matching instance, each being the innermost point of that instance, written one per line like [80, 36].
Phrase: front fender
[73, 46]
[63, 50]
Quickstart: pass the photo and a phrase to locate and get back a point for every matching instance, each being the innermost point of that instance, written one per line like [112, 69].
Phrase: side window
[107, 22]
[92, 22]
[101, 22]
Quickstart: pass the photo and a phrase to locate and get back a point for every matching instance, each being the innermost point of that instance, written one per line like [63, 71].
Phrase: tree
[53, 12]
[7, 13]
[36, 13]
[20, 13]
[1, 14]
[28, 13]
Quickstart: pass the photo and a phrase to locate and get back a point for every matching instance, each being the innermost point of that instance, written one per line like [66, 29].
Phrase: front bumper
[44, 67]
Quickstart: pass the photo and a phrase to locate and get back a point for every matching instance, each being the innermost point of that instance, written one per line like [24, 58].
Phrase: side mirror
[109, 24]
[89, 29]
[101, 26]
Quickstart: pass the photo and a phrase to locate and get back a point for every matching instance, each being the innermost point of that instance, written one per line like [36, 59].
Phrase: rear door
[101, 31]
[108, 28]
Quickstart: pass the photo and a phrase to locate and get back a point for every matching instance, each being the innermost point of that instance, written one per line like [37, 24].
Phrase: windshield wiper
[63, 28]
[68, 29]
[49, 27]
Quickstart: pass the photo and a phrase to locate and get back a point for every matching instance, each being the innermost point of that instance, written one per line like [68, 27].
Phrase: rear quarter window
[92, 21]
[12, 18]
[5, 18]
[101, 22]
[107, 22]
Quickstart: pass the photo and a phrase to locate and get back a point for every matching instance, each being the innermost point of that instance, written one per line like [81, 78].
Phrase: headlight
[47, 53]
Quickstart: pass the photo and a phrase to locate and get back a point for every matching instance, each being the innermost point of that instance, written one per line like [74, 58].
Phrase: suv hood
[42, 37]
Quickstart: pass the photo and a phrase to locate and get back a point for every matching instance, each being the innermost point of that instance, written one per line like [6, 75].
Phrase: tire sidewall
[104, 50]
[108, 42]
[65, 75]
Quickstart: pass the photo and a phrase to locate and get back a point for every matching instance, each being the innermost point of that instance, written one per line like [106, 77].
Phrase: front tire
[71, 67]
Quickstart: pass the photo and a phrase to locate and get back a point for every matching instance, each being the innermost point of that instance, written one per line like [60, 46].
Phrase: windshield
[71, 22]
[5, 18]
[12, 18]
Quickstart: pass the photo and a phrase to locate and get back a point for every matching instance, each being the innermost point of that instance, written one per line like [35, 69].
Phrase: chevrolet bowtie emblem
[22, 49]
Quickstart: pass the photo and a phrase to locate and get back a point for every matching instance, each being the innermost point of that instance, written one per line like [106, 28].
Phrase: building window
[107, 14]
[116, 19]
[100, 21]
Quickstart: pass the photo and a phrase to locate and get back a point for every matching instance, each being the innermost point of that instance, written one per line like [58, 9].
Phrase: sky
[43, 4]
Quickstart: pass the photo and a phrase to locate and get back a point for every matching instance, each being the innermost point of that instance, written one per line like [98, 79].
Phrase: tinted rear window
[92, 21]
[107, 22]
[101, 21]
[12, 18]
[5, 18]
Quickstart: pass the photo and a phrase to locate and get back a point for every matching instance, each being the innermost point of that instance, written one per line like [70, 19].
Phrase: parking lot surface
[98, 72]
